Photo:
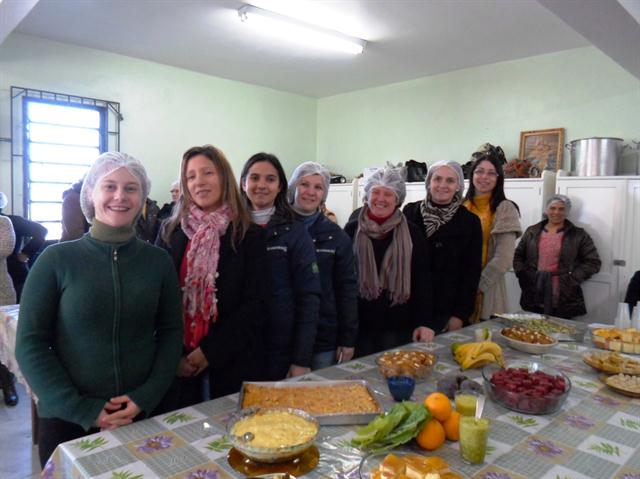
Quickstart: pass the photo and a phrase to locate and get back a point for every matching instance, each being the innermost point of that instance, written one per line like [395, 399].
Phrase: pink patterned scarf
[199, 290]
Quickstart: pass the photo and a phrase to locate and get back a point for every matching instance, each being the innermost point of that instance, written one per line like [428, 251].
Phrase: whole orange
[432, 435]
[452, 426]
[438, 405]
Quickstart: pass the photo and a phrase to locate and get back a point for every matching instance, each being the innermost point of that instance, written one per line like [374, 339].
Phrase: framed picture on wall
[543, 149]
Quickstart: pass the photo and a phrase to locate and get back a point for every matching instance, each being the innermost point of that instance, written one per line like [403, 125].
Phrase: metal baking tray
[511, 319]
[324, 419]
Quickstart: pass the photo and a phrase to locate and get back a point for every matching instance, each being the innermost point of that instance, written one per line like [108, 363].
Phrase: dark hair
[240, 218]
[283, 208]
[497, 195]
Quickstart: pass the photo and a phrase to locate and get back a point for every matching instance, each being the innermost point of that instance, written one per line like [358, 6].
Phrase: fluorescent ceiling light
[299, 31]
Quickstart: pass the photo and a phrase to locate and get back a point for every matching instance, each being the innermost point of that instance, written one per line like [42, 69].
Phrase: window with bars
[62, 136]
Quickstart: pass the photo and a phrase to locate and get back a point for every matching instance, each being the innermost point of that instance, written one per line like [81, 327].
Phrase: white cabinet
[340, 201]
[608, 209]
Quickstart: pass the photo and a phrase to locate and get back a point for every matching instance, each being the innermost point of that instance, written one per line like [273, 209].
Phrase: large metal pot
[595, 156]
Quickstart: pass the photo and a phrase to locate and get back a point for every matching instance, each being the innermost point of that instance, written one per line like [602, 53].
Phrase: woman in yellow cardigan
[500, 219]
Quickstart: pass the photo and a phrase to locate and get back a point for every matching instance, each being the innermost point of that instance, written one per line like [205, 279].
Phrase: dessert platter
[415, 364]
[612, 363]
[614, 339]
[558, 328]
[528, 340]
[405, 465]
[624, 384]
[331, 402]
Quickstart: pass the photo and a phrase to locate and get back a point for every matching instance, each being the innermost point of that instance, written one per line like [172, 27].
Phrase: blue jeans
[323, 359]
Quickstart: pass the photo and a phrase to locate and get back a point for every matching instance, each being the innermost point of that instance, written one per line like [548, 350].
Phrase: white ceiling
[406, 38]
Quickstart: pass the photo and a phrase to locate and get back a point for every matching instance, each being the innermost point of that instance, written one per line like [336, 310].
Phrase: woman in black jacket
[554, 257]
[454, 243]
[395, 295]
[338, 322]
[221, 261]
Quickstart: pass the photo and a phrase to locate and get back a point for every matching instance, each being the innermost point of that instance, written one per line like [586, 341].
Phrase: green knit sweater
[98, 320]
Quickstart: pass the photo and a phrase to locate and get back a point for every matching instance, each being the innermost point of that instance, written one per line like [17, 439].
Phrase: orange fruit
[452, 426]
[432, 435]
[438, 405]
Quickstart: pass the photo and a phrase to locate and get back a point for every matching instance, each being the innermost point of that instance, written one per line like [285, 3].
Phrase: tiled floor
[18, 458]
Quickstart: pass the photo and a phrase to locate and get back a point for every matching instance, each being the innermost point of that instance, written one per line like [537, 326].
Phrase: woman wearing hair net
[338, 322]
[100, 330]
[551, 261]
[454, 241]
[395, 296]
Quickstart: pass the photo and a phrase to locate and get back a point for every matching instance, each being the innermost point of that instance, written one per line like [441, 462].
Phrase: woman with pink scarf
[221, 261]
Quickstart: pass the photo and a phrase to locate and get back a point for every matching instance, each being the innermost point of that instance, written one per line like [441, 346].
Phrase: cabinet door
[598, 207]
[632, 238]
[340, 201]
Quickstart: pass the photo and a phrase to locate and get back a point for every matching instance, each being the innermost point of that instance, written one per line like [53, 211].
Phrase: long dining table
[596, 434]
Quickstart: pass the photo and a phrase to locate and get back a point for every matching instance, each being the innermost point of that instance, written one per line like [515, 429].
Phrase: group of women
[257, 283]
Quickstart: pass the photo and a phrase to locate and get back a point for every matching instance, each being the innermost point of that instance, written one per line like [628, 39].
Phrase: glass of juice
[474, 434]
[466, 402]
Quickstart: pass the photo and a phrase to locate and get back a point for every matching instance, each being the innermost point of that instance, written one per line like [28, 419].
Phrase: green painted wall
[166, 109]
[448, 116]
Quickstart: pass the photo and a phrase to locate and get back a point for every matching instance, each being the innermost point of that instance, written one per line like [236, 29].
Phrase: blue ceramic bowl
[401, 387]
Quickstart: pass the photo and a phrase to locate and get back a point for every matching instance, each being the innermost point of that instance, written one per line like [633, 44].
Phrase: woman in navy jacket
[295, 292]
[221, 261]
[338, 323]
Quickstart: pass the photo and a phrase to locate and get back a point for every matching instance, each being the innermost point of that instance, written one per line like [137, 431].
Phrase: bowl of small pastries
[612, 363]
[624, 384]
[614, 339]
[405, 362]
[528, 340]
[272, 435]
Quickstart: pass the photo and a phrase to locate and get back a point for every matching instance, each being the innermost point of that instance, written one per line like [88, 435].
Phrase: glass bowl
[280, 431]
[407, 362]
[514, 392]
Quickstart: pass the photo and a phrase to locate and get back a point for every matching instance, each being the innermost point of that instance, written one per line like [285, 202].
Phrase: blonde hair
[240, 219]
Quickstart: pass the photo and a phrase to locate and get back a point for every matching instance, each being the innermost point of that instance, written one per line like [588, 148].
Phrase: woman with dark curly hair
[500, 220]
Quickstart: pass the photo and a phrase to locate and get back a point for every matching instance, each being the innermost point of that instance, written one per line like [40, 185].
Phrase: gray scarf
[395, 274]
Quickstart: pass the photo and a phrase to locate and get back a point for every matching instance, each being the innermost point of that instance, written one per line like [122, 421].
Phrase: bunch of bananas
[478, 354]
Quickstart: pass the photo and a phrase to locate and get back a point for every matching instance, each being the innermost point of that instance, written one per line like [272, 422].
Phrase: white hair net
[561, 198]
[308, 168]
[3, 200]
[174, 185]
[454, 165]
[106, 164]
[392, 178]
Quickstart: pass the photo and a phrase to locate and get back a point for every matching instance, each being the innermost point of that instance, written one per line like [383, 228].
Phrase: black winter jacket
[234, 346]
[633, 291]
[295, 296]
[455, 257]
[338, 322]
[579, 260]
[379, 315]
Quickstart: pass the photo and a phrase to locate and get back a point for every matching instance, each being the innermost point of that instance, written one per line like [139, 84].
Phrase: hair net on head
[175, 184]
[3, 200]
[454, 165]
[308, 168]
[392, 178]
[105, 164]
[563, 199]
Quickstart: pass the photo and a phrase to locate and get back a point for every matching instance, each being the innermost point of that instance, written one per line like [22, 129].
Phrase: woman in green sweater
[100, 328]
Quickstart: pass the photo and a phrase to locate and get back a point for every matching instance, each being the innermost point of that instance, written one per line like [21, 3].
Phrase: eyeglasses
[481, 172]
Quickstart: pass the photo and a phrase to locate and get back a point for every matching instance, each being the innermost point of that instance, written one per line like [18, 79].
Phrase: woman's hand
[422, 334]
[454, 324]
[295, 370]
[185, 368]
[197, 359]
[344, 354]
[119, 411]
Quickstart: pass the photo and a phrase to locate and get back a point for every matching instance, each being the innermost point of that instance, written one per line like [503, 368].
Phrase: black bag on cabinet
[416, 171]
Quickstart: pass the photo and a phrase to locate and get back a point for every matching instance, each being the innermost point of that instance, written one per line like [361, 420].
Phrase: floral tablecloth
[596, 435]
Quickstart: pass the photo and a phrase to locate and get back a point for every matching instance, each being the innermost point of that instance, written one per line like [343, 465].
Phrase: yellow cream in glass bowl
[272, 434]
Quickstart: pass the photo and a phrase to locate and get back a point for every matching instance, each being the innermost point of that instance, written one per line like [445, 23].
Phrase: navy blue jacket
[455, 255]
[378, 314]
[295, 298]
[338, 323]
